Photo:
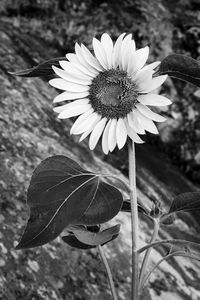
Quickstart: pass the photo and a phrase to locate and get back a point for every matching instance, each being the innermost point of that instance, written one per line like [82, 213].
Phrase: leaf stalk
[108, 271]
[147, 254]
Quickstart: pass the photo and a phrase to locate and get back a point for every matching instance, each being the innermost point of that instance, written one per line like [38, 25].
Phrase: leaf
[107, 201]
[126, 207]
[95, 228]
[187, 247]
[95, 239]
[167, 219]
[181, 67]
[72, 241]
[42, 70]
[60, 193]
[185, 202]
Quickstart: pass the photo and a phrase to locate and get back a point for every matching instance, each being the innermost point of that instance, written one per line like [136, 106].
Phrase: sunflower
[109, 92]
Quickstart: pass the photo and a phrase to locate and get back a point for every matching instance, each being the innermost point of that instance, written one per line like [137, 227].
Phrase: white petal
[149, 114]
[85, 134]
[146, 123]
[87, 123]
[152, 84]
[142, 55]
[74, 104]
[112, 141]
[72, 69]
[90, 58]
[145, 73]
[154, 100]
[83, 61]
[134, 123]
[75, 61]
[65, 96]
[96, 133]
[90, 128]
[80, 119]
[151, 66]
[121, 133]
[107, 44]
[123, 52]
[132, 134]
[62, 84]
[128, 49]
[142, 77]
[71, 78]
[100, 53]
[105, 138]
[138, 59]
[117, 51]
[72, 112]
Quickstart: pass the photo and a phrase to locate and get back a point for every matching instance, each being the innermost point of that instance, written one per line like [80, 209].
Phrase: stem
[170, 242]
[134, 221]
[147, 254]
[159, 262]
[109, 274]
[177, 253]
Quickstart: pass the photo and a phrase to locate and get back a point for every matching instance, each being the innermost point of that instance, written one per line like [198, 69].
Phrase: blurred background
[32, 31]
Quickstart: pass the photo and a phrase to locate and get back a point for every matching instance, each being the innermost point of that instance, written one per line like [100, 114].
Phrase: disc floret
[112, 94]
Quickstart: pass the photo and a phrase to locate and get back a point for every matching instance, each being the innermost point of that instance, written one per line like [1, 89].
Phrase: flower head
[109, 92]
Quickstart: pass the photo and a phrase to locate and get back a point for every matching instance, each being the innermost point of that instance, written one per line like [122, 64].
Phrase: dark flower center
[112, 94]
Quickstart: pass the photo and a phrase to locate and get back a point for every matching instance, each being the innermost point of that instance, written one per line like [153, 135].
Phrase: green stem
[147, 254]
[134, 221]
[146, 277]
[176, 253]
[109, 274]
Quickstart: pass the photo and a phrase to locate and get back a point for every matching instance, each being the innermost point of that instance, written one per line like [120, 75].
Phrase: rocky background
[168, 164]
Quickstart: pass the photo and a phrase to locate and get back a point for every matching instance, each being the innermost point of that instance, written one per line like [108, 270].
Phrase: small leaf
[181, 67]
[167, 219]
[95, 228]
[72, 241]
[186, 202]
[60, 193]
[95, 239]
[42, 70]
[126, 207]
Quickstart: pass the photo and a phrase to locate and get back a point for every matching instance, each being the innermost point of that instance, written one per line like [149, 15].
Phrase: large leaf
[107, 200]
[42, 70]
[95, 239]
[60, 193]
[181, 67]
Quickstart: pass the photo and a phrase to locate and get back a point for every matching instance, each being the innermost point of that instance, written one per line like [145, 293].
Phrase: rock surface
[29, 133]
